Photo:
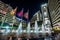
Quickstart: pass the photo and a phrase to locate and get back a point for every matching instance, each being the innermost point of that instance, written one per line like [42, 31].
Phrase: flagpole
[21, 22]
[28, 28]
[20, 26]
[36, 28]
[19, 30]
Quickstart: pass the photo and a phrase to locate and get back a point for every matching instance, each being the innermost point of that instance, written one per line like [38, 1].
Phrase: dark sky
[32, 5]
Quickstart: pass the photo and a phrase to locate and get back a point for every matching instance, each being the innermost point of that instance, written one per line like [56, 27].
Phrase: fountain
[19, 30]
[28, 30]
[36, 29]
[43, 29]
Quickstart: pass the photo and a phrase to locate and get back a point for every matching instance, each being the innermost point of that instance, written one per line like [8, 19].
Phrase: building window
[57, 22]
[57, 18]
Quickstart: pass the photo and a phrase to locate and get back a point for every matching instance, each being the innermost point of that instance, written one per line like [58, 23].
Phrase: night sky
[32, 5]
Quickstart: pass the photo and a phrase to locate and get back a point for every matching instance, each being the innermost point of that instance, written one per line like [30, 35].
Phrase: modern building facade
[36, 17]
[3, 7]
[46, 24]
[54, 9]
[5, 15]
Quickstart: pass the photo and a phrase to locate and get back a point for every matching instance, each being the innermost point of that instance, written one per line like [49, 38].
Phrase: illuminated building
[46, 25]
[36, 17]
[54, 9]
[36, 22]
[7, 17]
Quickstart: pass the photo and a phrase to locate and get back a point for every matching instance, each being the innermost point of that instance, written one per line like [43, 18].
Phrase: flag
[26, 15]
[20, 14]
[13, 11]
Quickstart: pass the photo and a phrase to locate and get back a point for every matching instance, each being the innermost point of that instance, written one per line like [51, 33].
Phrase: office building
[54, 9]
